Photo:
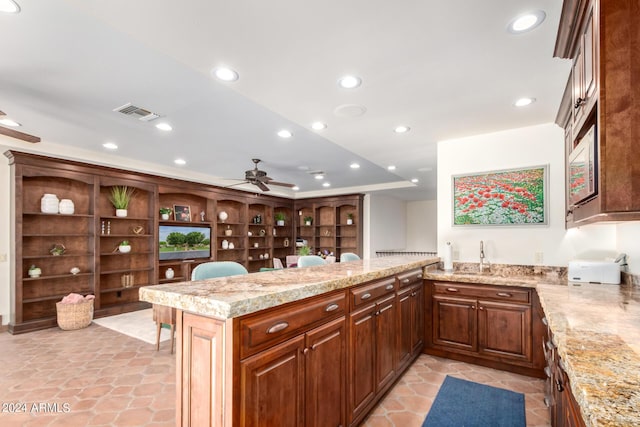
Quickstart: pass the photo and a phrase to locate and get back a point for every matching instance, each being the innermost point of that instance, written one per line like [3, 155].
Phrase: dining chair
[210, 270]
[310, 260]
[348, 256]
[330, 259]
[291, 260]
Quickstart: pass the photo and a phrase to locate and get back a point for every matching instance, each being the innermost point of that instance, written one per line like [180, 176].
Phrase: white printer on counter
[590, 271]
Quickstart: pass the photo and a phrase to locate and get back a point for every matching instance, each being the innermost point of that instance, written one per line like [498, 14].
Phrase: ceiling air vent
[131, 110]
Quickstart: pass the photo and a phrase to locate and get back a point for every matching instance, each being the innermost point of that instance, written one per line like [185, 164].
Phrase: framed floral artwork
[502, 197]
[182, 213]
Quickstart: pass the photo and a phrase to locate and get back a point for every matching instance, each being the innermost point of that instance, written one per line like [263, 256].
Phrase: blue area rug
[461, 403]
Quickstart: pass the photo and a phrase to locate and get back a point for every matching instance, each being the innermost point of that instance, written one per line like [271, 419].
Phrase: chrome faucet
[484, 265]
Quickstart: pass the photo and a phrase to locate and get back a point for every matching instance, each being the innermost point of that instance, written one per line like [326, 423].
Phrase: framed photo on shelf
[514, 197]
[182, 213]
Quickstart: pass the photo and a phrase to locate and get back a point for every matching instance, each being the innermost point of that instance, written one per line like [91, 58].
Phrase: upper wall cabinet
[602, 39]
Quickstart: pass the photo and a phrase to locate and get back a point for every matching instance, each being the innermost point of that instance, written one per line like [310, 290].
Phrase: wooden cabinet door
[454, 323]
[385, 340]
[504, 330]
[417, 319]
[272, 386]
[362, 349]
[325, 397]
[405, 327]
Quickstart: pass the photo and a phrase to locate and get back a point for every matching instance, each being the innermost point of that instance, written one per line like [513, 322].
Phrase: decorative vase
[74, 270]
[66, 207]
[222, 216]
[280, 222]
[169, 273]
[231, 245]
[49, 203]
[124, 249]
[225, 244]
[349, 221]
[164, 216]
[228, 232]
[34, 272]
[121, 213]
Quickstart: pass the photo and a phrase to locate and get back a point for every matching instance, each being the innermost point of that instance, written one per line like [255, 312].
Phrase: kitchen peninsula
[306, 346]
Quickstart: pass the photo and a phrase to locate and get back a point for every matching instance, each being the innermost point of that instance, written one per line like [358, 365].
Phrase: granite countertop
[235, 296]
[596, 329]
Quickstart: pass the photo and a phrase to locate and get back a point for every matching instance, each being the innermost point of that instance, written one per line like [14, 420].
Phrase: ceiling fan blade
[261, 186]
[19, 135]
[237, 183]
[281, 184]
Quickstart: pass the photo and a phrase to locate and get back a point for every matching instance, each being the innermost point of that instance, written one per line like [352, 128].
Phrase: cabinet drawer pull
[480, 307]
[545, 322]
[419, 276]
[388, 287]
[365, 296]
[504, 294]
[473, 307]
[277, 327]
[559, 385]
[413, 294]
[331, 307]
[550, 345]
[547, 370]
[406, 281]
[452, 290]
[547, 401]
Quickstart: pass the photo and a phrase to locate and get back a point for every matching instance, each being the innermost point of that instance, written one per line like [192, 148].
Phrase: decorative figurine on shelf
[74, 270]
[286, 242]
[222, 216]
[58, 249]
[229, 231]
[169, 273]
[201, 216]
[164, 213]
[138, 229]
[349, 218]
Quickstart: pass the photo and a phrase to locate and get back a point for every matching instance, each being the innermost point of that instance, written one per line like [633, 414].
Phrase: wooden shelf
[55, 276]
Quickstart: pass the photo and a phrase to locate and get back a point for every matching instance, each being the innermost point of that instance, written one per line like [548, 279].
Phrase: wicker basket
[75, 316]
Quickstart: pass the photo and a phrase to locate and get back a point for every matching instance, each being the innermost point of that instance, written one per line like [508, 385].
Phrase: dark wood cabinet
[601, 39]
[485, 324]
[410, 334]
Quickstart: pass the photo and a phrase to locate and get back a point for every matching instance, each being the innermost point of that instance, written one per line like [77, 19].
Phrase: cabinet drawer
[367, 293]
[263, 330]
[407, 279]
[495, 293]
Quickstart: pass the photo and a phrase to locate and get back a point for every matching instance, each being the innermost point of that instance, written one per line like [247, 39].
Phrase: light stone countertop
[235, 296]
[596, 329]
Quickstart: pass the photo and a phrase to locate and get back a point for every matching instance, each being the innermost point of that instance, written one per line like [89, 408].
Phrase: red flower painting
[507, 197]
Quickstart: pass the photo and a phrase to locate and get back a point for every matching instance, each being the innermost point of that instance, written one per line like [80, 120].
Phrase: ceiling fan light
[9, 6]
[8, 122]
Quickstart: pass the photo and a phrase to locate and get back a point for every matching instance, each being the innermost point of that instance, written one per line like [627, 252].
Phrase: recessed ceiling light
[391, 167]
[9, 6]
[326, 184]
[350, 110]
[318, 176]
[354, 166]
[226, 74]
[295, 188]
[164, 126]
[415, 180]
[285, 134]
[318, 125]
[402, 129]
[110, 146]
[180, 162]
[8, 122]
[349, 82]
[523, 102]
[526, 22]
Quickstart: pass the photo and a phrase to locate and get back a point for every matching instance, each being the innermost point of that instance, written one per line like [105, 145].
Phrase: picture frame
[182, 213]
[507, 197]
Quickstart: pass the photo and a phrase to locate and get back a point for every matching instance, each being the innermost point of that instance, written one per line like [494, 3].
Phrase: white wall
[422, 226]
[5, 239]
[530, 146]
[387, 224]
[628, 242]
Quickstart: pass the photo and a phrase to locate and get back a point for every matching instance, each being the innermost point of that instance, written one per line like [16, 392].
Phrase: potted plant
[308, 220]
[34, 271]
[349, 218]
[120, 197]
[280, 217]
[124, 247]
[304, 250]
[164, 213]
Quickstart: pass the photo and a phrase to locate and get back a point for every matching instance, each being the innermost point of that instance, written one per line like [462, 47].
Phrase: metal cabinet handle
[480, 307]
[366, 296]
[413, 294]
[452, 290]
[473, 307]
[559, 385]
[306, 350]
[578, 103]
[504, 294]
[406, 281]
[277, 327]
[545, 322]
[547, 401]
[389, 287]
[419, 276]
[331, 307]
[550, 345]
[547, 370]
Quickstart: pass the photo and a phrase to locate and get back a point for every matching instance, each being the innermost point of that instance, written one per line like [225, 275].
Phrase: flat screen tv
[184, 242]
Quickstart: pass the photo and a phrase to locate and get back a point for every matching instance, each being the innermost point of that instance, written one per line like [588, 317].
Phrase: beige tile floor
[98, 377]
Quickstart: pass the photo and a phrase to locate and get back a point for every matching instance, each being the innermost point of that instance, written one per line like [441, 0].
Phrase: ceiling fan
[260, 179]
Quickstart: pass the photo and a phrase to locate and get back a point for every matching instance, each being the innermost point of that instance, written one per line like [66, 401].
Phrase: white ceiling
[447, 69]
